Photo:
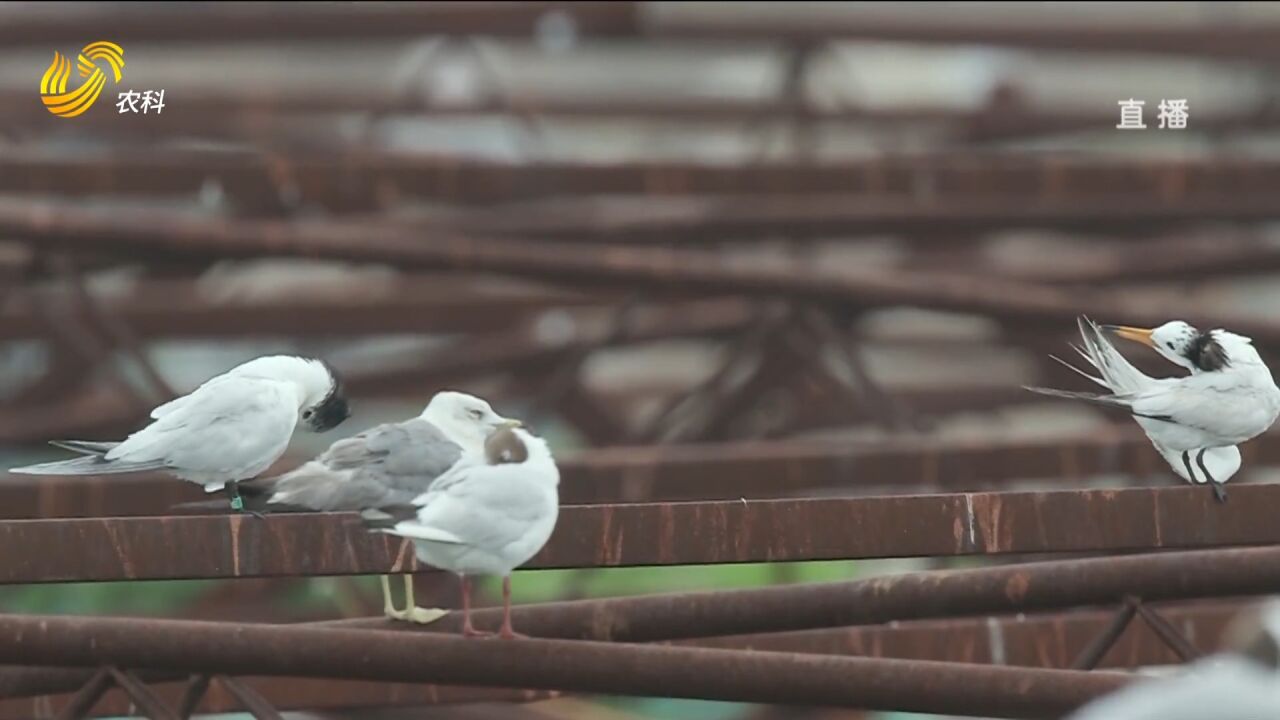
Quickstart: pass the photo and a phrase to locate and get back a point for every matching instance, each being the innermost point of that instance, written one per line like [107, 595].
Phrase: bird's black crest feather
[1206, 353]
[334, 408]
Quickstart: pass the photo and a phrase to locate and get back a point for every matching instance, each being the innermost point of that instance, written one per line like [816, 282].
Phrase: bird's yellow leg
[388, 607]
[415, 614]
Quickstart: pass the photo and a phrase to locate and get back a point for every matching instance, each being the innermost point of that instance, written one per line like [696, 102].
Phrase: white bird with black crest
[1196, 420]
[491, 513]
[1214, 466]
[231, 428]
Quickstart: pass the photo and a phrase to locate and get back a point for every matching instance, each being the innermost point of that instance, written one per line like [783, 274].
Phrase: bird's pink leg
[507, 632]
[467, 629]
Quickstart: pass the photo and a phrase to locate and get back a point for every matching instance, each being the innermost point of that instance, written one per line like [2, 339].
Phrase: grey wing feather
[91, 462]
[87, 465]
[84, 447]
[387, 465]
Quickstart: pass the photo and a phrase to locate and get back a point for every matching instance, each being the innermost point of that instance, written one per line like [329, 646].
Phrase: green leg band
[237, 503]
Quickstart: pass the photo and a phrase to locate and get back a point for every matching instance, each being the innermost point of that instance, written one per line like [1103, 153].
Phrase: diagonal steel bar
[92, 691]
[141, 695]
[1097, 648]
[1168, 634]
[251, 699]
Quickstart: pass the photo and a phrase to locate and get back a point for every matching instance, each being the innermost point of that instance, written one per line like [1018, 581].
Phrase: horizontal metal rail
[1019, 588]
[355, 180]
[1047, 640]
[225, 546]
[660, 271]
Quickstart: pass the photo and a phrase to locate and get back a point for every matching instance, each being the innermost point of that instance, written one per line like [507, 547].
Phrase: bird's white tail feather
[1117, 372]
[418, 531]
[1080, 372]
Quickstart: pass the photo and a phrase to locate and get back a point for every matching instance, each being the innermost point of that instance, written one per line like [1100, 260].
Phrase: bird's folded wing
[1201, 402]
[487, 505]
[197, 396]
[245, 422]
[388, 464]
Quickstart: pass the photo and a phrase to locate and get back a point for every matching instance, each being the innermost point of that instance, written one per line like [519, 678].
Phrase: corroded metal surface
[639, 534]
[604, 668]
[218, 546]
[229, 23]
[283, 693]
[1048, 641]
[659, 270]
[1027, 587]
[1179, 184]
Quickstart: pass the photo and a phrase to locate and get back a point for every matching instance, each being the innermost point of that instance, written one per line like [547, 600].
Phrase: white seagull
[488, 515]
[1241, 683]
[1229, 398]
[231, 428]
[1213, 466]
[388, 465]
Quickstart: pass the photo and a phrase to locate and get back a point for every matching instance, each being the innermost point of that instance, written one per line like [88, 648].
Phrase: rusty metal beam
[998, 590]
[241, 22]
[661, 271]
[667, 220]
[606, 668]
[364, 179]
[792, 467]
[1252, 41]
[239, 113]
[33, 699]
[1048, 641]
[223, 546]
[176, 309]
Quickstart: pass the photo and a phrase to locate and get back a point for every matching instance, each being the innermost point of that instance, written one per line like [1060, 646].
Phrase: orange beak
[1138, 335]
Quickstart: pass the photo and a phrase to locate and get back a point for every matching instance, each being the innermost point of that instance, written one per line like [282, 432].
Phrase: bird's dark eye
[1170, 345]
[306, 414]
[477, 414]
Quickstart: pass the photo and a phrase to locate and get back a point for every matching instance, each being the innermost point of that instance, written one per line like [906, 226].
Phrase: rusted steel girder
[1042, 640]
[659, 270]
[364, 180]
[166, 310]
[1019, 588]
[247, 22]
[667, 220]
[720, 471]
[1050, 641]
[224, 546]
[222, 112]
[283, 693]
[1220, 40]
[607, 668]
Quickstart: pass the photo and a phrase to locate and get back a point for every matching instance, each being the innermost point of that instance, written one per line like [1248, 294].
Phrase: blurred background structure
[716, 253]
